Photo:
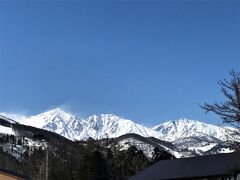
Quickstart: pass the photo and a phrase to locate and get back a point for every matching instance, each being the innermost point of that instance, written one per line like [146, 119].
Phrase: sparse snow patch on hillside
[6, 130]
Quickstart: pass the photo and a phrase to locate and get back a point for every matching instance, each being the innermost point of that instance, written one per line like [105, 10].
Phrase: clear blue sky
[147, 61]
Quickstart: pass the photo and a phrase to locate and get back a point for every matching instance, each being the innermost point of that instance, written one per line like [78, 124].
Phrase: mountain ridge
[100, 126]
[183, 137]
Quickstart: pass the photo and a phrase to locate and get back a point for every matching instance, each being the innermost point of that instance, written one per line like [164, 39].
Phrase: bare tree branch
[229, 110]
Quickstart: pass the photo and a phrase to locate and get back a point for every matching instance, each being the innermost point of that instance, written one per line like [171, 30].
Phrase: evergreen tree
[158, 155]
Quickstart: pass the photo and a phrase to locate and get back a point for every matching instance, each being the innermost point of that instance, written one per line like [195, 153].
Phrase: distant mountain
[95, 126]
[59, 122]
[41, 154]
[186, 136]
[109, 125]
[182, 128]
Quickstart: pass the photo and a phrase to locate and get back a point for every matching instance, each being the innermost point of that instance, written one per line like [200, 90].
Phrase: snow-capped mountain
[95, 126]
[187, 137]
[109, 125]
[59, 122]
[182, 128]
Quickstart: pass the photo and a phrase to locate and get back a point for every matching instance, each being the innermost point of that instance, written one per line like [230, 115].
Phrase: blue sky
[147, 61]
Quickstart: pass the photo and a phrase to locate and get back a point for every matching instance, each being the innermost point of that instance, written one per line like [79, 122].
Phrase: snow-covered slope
[6, 130]
[182, 128]
[187, 136]
[109, 125]
[57, 121]
[73, 128]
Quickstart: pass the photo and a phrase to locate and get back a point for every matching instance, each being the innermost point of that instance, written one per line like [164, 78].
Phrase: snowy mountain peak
[183, 122]
[58, 121]
[185, 135]
[57, 112]
[182, 128]
[102, 117]
[109, 125]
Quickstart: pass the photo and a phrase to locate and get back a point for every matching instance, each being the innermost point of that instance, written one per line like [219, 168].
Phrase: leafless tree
[229, 110]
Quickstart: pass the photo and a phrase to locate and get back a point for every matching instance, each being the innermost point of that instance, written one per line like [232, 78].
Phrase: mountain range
[183, 134]
[109, 125]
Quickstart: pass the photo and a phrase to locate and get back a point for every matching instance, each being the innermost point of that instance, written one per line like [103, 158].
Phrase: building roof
[13, 174]
[220, 165]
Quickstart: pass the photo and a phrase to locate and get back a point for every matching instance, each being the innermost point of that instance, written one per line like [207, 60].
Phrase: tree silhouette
[158, 155]
[229, 110]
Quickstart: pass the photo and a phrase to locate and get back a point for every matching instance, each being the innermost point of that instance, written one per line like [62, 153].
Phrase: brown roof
[10, 174]
[219, 165]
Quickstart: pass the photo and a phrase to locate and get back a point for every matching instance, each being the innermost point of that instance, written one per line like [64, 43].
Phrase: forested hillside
[40, 154]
